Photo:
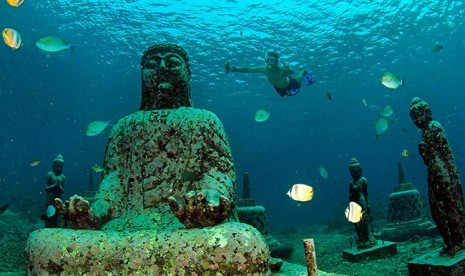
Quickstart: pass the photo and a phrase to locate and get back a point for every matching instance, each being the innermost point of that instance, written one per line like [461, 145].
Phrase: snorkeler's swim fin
[308, 79]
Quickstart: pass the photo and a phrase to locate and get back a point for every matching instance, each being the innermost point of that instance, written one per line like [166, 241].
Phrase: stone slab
[379, 251]
[405, 231]
[433, 264]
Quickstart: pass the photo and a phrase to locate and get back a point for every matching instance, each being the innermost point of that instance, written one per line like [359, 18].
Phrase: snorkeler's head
[271, 54]
[271, 57]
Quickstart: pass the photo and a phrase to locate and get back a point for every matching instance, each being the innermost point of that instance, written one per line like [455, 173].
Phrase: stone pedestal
[406, 217]
[433, 264]
[382, 249]
[89, 195]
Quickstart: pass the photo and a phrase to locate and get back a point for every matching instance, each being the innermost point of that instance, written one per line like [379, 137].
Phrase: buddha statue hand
[77, 211]
[201, 208]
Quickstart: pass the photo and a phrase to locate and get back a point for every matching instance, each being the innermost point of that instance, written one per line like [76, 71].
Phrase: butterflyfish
[323, 172]
[405, 153]
[53, 44]
[381, 126]
[390, 80]
[354, 212]
[96, 127]
[15, 3]
[12, 38]
[262, 115]
[301, 192]
[35, 162]
[387, 111]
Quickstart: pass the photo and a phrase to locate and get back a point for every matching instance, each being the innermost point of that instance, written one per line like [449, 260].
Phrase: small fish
[437, 48]
[3, 208]
[301, 192]
[387, 111]
[190, 176]
[97, 168]
[35, 162]
[50, 211]
[53, 44]
[381, 126]
[12, 38]
[329, 96]
[354, 212]
[96, 127]
[323, 172]
[390, 80]
[15, 3]
[405, 153]
[262, 115]
[241, 33]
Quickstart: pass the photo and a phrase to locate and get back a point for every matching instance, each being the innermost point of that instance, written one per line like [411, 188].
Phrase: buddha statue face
[355, 169]
[420, 113]
[165, 78]
[57, 167]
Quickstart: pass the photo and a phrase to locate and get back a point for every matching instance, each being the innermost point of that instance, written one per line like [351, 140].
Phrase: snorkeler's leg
[300, 75]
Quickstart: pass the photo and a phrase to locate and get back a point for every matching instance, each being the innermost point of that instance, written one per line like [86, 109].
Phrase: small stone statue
[444, 187]
[358, 193]
[54, 188]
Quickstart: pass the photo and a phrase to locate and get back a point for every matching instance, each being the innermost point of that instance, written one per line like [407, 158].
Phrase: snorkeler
[278, 74]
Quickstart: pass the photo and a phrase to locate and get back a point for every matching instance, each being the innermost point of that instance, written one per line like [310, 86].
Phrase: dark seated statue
[166, 204]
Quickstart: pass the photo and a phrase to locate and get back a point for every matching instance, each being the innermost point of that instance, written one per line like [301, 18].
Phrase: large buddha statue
[166, 204]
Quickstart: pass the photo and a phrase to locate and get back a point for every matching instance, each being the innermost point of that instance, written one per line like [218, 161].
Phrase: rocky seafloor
[15, 228]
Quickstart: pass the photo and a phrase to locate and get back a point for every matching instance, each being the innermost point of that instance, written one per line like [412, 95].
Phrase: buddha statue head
[165, 72]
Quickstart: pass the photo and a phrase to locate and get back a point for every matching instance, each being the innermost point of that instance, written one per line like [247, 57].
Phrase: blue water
[47, 100]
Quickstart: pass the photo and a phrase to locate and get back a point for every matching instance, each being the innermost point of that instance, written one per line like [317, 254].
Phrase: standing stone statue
[54, 188]
[444, 188]
[358, 193]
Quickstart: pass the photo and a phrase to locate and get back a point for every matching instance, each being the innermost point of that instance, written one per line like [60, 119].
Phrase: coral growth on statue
[166, 204]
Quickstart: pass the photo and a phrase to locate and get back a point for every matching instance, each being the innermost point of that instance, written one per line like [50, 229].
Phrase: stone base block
[255, 216]
[379, 251]
[433, 264]
[407, 230]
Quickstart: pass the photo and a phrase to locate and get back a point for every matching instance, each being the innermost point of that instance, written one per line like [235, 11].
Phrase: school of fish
[49, 44]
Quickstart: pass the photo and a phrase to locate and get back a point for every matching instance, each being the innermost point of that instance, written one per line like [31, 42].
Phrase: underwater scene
[215, 137]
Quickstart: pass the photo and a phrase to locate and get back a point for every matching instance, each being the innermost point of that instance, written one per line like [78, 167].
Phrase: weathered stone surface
[435, 264]
[230, 249]
[166, 204]
[378, 251]
[444, 186]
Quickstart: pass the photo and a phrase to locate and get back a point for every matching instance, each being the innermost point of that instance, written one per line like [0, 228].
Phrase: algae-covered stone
[166, 204]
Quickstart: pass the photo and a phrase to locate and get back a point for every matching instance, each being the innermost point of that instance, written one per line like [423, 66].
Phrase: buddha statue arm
[82, 215]
[212, 200]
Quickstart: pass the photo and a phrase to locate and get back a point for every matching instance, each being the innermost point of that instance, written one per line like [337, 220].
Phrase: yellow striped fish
[12, 38]
[15, 3]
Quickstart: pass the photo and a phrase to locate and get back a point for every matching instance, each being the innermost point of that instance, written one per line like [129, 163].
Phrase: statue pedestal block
[406, 230]
[433, 264]
[379, 251]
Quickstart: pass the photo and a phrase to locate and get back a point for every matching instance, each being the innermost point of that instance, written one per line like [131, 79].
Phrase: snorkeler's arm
[259, 69]
[228, 68]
